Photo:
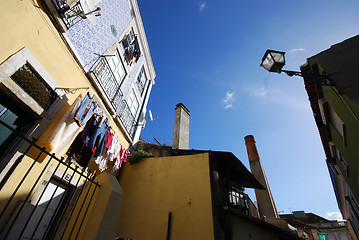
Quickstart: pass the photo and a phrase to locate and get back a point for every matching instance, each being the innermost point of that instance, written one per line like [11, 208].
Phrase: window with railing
[69, 11]
[128, 112]
[127, 118]
[141, 80]
[110, 73]
[72, 12]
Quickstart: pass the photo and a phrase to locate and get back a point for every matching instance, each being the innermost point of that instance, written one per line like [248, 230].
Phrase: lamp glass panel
[278, 57]
[268, 62]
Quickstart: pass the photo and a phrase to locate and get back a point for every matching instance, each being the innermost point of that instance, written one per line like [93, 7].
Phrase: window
[128, 112]
[236, 197]
[337, 124]
[28, 100]
[131, 48]
[117, 67]
[344, 164]
[110, 74]
[15, 118]
[330, 116]
[133, 103]
[27, 78]
[141, 80]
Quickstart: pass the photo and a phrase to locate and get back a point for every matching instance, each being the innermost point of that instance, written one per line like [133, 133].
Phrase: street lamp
[274, 61]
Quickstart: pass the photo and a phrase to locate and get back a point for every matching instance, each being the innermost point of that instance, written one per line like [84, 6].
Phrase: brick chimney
[181, 129]
[265, 201]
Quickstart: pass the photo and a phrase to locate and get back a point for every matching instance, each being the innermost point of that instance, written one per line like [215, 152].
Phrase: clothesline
[87, 128]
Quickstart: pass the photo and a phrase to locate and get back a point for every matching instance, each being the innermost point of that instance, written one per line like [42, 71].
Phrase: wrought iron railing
[70, 16]
[107, 80]
[127, 118]
[59, 216]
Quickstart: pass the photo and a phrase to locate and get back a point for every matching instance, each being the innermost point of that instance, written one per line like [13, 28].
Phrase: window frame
[128, 44]
[120, 63]
[132, 96]
[102, 73]
[19, 97]
[330, 117]
[141, 84]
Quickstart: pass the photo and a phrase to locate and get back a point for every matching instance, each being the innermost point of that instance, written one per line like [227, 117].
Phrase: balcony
[127, 118]
[107, 80]
[68, 14]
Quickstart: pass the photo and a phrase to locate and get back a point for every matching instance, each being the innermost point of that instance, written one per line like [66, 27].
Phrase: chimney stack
[181, 129]
[265, 201]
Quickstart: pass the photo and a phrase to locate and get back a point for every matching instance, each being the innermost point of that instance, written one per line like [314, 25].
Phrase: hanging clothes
[65, 131]
[102, 160]
[85, 110]
[114, 151]
[122, 158]
[108, 139]
[79, 152]
[96, 140]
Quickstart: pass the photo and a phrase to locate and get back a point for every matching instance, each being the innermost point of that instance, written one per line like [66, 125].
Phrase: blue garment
[89, 129]
[95, 136]
[85, 110]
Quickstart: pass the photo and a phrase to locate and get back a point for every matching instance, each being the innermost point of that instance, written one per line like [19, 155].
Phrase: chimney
[265, 201]
[181, 129]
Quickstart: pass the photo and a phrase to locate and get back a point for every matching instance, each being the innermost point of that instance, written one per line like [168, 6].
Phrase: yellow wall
[25, 24]
[155, 186]
[102, 218]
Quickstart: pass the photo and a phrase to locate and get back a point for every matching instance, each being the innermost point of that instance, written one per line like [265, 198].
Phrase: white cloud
[334, 216]
[296, 50]
[261, 92]
[228, 100]
[202, 6]
[278, 95]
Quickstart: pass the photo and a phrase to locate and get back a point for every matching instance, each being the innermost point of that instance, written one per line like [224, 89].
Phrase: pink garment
[103, 118]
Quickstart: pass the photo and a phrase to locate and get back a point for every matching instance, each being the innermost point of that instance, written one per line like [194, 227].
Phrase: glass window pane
[9, 118]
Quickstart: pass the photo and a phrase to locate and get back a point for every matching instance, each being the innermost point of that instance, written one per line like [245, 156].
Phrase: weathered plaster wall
[154, 187]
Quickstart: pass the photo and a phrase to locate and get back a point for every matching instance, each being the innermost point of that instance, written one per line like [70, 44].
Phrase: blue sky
[207, 55]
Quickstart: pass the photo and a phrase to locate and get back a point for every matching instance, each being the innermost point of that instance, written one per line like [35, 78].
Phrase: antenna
[150, 115]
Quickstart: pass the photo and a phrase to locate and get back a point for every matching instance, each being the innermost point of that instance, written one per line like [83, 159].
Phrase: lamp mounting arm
[322, 79]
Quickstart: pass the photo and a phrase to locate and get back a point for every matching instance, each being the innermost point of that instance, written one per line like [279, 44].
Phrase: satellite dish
[150, 115]
[89, 9]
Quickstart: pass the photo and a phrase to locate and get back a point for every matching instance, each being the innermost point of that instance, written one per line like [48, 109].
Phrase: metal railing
[48, 201]
[126, 117]
[69, 16]
[107, 80]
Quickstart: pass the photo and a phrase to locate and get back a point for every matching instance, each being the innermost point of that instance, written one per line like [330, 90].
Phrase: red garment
[108, 139]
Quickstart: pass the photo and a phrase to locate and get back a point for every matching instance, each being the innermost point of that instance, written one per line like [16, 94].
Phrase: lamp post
[274, 61]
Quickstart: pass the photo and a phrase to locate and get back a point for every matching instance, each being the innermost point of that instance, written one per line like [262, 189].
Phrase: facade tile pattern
[92, 40]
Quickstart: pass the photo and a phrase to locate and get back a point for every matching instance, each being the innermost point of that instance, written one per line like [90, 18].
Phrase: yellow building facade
[43, 192]
[190, 194]
[156, 188]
